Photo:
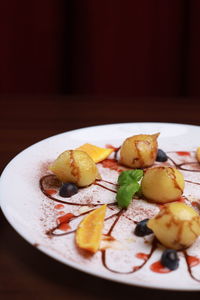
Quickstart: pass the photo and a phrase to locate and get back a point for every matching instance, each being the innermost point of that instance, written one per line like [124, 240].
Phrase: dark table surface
[25, 272]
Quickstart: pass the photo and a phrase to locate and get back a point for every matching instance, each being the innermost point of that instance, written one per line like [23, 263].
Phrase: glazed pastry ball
[139, 151]
[162, 184]
[75, 166]
[176, 226]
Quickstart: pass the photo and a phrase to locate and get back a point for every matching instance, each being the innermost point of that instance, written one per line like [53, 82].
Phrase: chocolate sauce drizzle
[97, 183]
[104, 251]
[117, 215]
[52, 233]
[188, 266]
[49, 177]
[181, 165]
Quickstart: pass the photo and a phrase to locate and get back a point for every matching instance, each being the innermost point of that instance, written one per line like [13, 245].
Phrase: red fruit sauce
[192, 260]
[63, 221]
[111, 164]
[50, 192]
[159, 268]
[58, 206]
[143, 256]
[112, 147]
[183, 153]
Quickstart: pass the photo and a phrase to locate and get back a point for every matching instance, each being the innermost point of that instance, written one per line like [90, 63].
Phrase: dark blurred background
[102, 47]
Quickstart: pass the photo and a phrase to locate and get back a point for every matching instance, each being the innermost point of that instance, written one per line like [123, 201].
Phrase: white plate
[32, 214]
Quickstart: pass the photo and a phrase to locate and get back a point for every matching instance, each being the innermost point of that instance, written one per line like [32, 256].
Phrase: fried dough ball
[162, 184]
[176, 226]
[139, 151]
[75, 166]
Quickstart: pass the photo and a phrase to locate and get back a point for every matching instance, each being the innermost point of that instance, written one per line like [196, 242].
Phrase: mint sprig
[128, 186]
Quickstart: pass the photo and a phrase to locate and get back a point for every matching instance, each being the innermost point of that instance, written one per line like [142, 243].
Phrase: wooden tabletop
[25, 272]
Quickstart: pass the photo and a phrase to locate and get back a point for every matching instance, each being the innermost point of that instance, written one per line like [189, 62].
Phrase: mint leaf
[124, 178]
[136, 174]
[128, 186]
[125, 194]
[128, 176]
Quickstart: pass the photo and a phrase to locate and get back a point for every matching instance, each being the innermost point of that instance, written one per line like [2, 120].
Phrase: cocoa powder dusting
[115, 221]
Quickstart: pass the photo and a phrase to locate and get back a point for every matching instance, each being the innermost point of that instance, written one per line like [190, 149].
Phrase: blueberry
[170, 259]
[161, 156]
[141, 228]
[68, 189]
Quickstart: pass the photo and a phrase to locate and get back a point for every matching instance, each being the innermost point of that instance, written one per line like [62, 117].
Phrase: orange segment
[96, 153]
[89, 232]
[198, 154]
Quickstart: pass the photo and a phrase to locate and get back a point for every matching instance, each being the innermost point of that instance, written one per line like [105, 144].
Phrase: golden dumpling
[176, 226]
[162, 184]
[139, 151]
[75, 166]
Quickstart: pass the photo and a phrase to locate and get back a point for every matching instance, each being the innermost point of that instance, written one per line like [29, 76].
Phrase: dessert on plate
[115, 206]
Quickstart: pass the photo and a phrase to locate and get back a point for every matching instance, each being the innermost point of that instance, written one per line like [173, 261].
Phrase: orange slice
[96, 153]
[89, 232]
[198, 154]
